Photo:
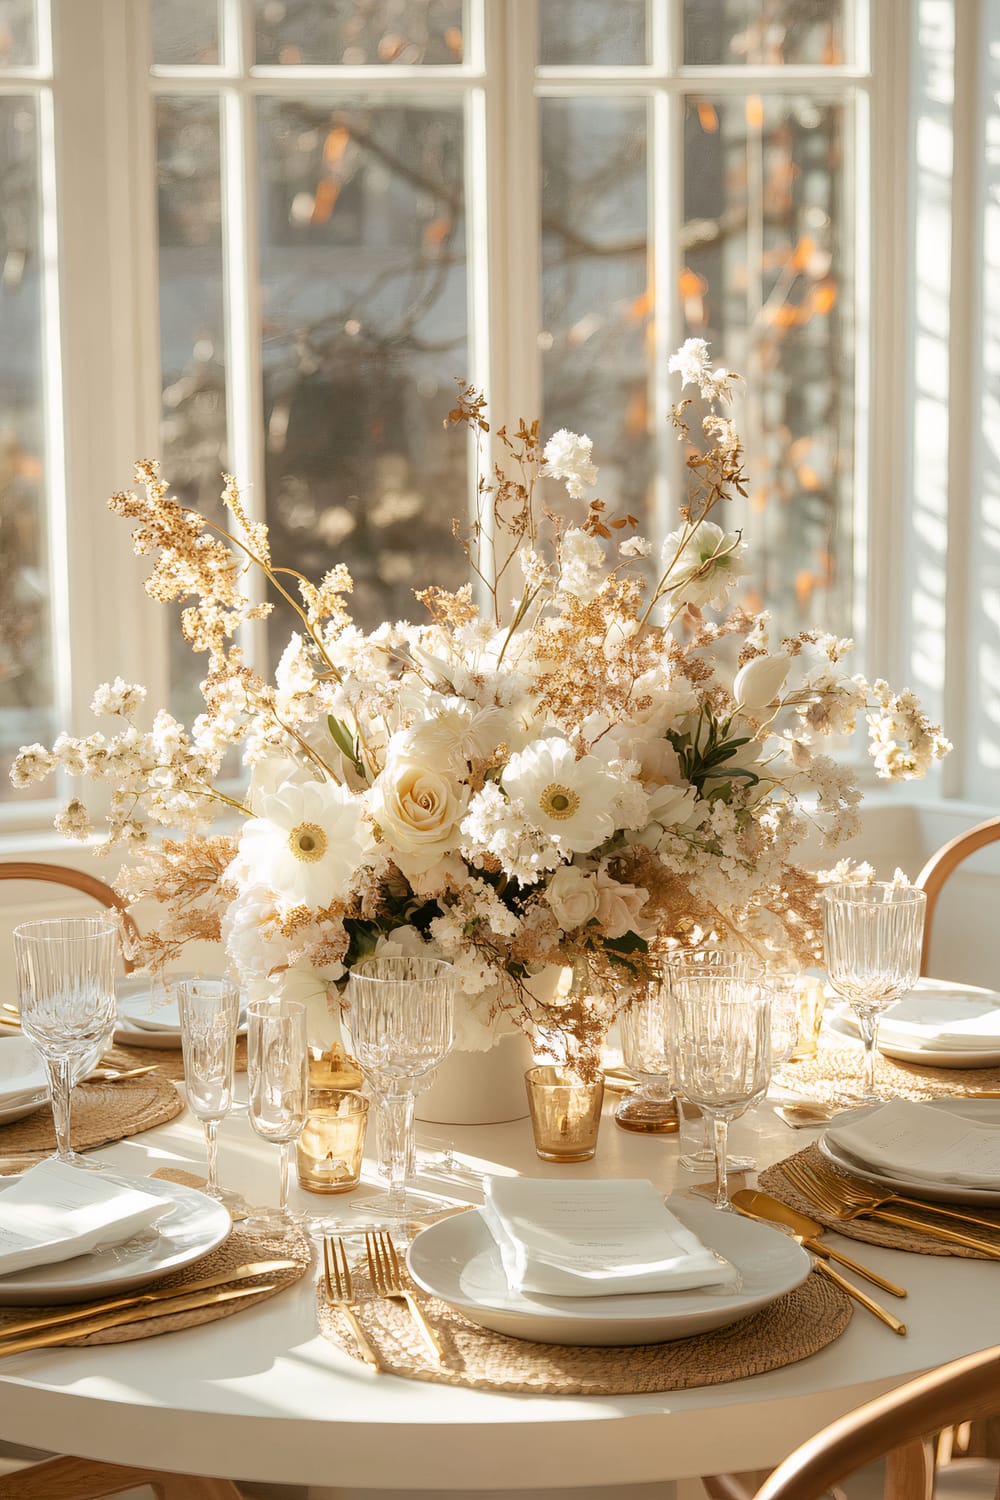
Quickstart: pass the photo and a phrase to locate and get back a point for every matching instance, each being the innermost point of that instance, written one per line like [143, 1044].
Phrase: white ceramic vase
[479, 1088]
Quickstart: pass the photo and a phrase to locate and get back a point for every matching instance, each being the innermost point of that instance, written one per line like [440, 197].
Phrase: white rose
[618, 907]
[760, 680]
[419, 811]
[572, 895]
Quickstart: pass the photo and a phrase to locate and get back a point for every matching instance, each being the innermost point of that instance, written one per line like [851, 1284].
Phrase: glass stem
[60, 1070]
[396, 1120]
[212, 1151]
[284, 1161]
[720, 1142]
[868, 1027]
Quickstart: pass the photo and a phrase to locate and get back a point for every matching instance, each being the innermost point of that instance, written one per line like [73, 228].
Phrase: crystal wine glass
[278, 1075]
[738, 966]
[722, 1029]
[401, 1016]
[645, 1033]
[66, 986]
[210, 1015]
[872, 936]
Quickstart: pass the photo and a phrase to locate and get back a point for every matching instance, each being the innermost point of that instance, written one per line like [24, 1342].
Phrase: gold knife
[49, 1336]
[139, 1299]
[763, 1206]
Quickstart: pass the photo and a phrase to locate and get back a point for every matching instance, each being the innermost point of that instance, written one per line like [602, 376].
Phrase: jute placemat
[834, 1069]
[795, 1326]
[872, 1231]
[168, 1060]
[101, 1113]
[237, 1250]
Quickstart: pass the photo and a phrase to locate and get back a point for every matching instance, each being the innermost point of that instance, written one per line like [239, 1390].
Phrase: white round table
[262, 1396]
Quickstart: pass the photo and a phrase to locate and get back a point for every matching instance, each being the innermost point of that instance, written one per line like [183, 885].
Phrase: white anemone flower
[568, 799]
[708, 563]
[306, 844]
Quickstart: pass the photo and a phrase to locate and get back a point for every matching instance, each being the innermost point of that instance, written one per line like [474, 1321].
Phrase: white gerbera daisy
[568, 799]
[306, 844]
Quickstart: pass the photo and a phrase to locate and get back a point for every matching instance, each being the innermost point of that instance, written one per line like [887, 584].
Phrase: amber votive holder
[811, 1000]
[565, 1112]
[329, 1150]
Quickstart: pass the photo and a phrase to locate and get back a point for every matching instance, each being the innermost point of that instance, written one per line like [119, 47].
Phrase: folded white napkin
[945, 1020]
[921, 1143]
[55, 1212]
[595, 1239]
[22, 1071]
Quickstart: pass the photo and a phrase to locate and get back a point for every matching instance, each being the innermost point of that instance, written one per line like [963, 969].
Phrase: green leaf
[344, 741]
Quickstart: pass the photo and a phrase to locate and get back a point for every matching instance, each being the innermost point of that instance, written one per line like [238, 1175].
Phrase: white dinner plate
[983, 1111]
[24, 1083]
[141, 1023]
[458, 1261]
[931, 1007]
[192, 1228]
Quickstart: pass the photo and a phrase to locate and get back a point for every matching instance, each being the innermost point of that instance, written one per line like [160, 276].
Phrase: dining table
[264, 1396]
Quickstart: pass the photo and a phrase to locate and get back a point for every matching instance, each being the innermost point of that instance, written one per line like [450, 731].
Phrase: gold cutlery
[140, 1299]
[49, 1336]
[12, 1009]
[807, 1231]
[823, 1268]
[10, 1021]
[824, 1189]
[118, 1075]
[387, 1279]
[339, 1287]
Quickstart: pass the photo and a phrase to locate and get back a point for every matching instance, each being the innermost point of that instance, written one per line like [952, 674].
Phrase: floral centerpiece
[580, 758]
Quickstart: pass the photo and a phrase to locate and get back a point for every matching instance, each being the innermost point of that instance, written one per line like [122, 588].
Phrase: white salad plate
[458, 1261]
[983, 1111]
[192, 1228]
[145, 1020]
[930, 1025]
[24, 1084]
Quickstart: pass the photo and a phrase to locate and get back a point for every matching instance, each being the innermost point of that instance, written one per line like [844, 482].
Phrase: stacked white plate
[147, 1017]
[925, 1149]
[458, 1260]
[941, 1025]
[23, 1079]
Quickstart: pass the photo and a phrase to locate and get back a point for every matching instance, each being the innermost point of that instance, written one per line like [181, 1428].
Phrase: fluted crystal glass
[872, 936]
[278, 1078]
[209, 1012]
[66, 990]
[650, 1108]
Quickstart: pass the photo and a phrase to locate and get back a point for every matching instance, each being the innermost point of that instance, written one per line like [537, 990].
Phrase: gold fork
[339, 1288]
[387, 1279]
[857, 1194]
[824, 1189]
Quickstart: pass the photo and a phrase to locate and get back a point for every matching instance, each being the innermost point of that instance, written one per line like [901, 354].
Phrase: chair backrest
[78, 880]
[940, 865]
[85, 1479]
[897, 1426]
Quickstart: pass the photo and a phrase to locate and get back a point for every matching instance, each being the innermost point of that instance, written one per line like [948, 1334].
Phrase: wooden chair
[940, 865]
[83, 1479]
[898, 1427]
[78, 880]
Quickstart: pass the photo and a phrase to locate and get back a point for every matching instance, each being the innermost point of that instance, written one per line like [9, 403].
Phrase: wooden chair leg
[909, 1473]
[86, 1479]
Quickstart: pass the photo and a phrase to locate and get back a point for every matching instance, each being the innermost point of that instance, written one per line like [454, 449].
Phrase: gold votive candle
[328, 1152]
[565, 1112]
[811, 999]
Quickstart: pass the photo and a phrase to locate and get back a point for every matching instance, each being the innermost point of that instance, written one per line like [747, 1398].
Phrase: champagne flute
[872, 936]
[66, 986]
[210, 1012]
[278, 1074]
[401, 1017]
[722, 1026]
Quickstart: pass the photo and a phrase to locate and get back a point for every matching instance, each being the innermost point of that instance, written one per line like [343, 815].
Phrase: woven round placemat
[798, 1324]
[237, 1250]
[873, 1231]
[834, 1069]
[102, 1112]
[169, 1061]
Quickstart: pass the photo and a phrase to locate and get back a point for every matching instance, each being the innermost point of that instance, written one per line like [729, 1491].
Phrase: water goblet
[66, 989]
[722, 1026]
[401, 1017]
[645, 1033]
[872, 936]
[209, 1012]
[737, 966]
[278, 1076]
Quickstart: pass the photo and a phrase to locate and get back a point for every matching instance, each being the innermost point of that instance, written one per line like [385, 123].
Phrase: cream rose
[572, 895]
[419, 811]
[618, 907]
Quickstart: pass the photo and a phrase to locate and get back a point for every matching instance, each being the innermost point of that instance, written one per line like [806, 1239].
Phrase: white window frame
[105, 322]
